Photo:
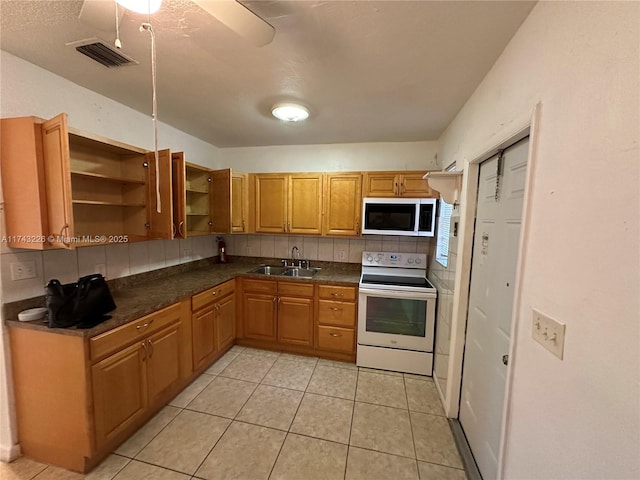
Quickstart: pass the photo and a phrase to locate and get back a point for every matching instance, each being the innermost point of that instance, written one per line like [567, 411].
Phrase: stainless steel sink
[300, 272]
[285, 271]
[268, 270]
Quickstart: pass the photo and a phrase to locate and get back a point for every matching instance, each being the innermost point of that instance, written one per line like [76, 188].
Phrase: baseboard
[8, 453]
[470, 467]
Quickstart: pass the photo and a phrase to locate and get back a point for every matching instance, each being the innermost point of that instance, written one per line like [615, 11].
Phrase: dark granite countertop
[142, 294]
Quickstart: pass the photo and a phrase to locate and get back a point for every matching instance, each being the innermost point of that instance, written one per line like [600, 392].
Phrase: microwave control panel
[388, 259]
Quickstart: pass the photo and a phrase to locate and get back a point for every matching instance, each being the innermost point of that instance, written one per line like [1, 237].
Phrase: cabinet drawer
[336, 339]
[113, 340]
[342, 314]
[211, 295]
[297, 289]
[335, 292]
[262, 286]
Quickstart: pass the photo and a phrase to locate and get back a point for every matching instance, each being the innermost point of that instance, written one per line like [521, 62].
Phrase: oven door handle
[396, 294]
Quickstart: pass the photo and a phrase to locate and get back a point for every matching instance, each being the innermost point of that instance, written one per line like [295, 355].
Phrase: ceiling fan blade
[100, 14]
[239, 19]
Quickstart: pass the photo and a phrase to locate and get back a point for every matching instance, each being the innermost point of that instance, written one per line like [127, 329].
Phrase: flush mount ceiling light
[141, 6]
[290, 112]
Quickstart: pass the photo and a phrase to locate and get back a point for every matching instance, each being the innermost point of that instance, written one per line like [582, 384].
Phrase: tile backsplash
[121, 260]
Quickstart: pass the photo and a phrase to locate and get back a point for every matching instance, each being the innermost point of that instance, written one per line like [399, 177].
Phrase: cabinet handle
[215, 292]
[397, 190]
[61, 236]
[284, 227]
[335, 334]
[335, 309]
[151, 347]
[335, 294]
[144, 347]
[180, 225]
[243, 225]
[404, 189]
[274, 299]
[279, 300]
[357, 228]
[138, 327]
[174, 229]
[289, 227]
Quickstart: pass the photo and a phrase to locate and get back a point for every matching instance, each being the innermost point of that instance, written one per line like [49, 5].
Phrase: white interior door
[493, 268]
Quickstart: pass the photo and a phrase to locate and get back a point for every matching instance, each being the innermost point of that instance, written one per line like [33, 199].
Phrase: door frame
[469, 197]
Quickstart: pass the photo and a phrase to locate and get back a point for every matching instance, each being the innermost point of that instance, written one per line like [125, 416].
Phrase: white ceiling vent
[102, 52]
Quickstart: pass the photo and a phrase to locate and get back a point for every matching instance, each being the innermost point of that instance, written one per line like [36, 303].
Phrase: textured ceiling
[368, 70]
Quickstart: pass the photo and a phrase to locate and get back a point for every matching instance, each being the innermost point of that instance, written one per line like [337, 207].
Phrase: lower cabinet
[278, 311]
[213, 322]
[136, 376]
[78, 398]
[299, 317]
[337, 313]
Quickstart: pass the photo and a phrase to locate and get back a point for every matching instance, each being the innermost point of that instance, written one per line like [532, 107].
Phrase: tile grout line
[353, 413]
[413, 438]
[292, 420]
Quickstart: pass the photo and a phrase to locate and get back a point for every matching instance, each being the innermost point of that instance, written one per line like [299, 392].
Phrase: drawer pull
[214, 293]
[335, 334]
[335, 309]
[334, 294]
[138, 327]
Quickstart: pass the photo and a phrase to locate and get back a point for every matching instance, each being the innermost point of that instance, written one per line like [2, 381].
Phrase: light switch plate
[549, 333]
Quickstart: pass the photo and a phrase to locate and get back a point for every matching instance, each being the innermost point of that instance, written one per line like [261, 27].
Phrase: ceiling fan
[102, 13]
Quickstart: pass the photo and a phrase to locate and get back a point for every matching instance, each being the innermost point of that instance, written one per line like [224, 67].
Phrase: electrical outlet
[549, 333]
[23, 270]
[342, 255]
[186, 253]
[249, 250]
[100, 268]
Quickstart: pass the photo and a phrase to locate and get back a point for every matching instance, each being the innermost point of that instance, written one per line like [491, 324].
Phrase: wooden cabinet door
[342, 204]
[160, 222]
[163, 361]
[271, 203]
[220, 200]
[259, 316]
[295, 320]
[178, 181]
[23, 182]
[55, 145]
[413, 185]
[203, 328]
[304, 204]
[225, 330]
[239, 202]
[119, 391]
[381, 184]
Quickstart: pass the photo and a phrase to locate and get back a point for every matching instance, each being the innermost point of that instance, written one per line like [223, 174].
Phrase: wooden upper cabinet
[55, 143]
[304, 206]
[160, 201]
[239, 203]
[342, 204]
[288, 203]
[397, 184]
[221, 201]
[271, 203]
[79, 189]
[205, 200]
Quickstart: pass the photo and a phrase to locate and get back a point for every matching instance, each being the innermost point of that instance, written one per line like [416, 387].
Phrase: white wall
[26, 89]
[333, 157]
[577, 418]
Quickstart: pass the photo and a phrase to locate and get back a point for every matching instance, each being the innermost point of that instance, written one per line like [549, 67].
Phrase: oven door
[396, 319]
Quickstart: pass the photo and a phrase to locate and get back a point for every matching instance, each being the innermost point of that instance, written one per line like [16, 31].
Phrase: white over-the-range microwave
[399, 216]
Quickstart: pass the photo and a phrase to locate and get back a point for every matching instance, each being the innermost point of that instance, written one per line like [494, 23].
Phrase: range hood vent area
[103, 53]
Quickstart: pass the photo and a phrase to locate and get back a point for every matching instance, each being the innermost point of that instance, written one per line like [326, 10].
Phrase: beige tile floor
[263, 415]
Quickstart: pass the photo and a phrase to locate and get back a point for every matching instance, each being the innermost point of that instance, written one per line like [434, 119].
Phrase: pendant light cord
[154, 114]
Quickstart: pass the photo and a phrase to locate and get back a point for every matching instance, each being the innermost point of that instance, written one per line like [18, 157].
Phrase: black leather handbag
[82, 304]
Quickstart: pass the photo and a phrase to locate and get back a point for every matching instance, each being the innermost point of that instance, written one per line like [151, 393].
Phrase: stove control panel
[389, 259]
